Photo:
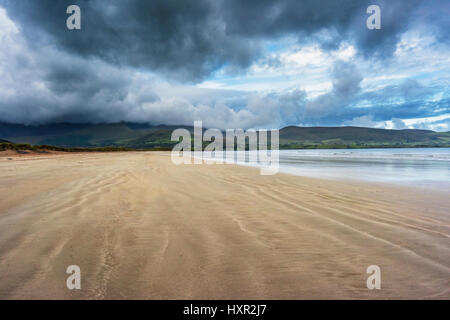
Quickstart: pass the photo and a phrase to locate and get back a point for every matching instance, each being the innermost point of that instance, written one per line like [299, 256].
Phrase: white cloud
[364, 121]
[398, 124]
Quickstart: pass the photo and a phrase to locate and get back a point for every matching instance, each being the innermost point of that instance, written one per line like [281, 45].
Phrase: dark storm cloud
[116, 67]
[70, 76]
[395, 19]
[184, 39]
[61, 88]
[436, 17]
[188, 40]
[329, 22]
[346, 81]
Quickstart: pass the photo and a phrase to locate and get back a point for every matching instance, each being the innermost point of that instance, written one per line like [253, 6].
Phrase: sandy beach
[141, 227]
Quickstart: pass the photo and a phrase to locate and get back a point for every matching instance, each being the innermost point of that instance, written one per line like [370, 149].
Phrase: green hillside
[99, 135]
[352, 137]
[143, 136]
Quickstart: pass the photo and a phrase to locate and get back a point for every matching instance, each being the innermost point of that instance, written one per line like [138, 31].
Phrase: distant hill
[144, 136]
[340, 137]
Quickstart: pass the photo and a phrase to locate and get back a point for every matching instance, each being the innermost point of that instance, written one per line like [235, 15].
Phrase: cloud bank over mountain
[228, 63]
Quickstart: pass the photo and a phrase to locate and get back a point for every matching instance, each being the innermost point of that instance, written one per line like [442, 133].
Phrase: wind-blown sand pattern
[141, 227]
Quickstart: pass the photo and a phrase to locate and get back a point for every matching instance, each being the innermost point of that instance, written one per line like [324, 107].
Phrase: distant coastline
[20, 147]
[135, 136]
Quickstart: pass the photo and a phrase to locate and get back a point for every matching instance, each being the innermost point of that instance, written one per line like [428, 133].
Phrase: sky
[232, 64]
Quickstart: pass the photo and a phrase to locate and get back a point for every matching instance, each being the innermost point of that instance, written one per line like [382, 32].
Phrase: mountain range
[146, 136]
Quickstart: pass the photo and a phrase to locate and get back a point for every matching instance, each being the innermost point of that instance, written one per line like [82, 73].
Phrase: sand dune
[140, 227]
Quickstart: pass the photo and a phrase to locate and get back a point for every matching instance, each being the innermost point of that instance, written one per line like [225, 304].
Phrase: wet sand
[141, 227]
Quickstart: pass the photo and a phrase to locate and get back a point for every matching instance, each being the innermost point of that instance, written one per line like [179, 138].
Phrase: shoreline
[385, 184]
[140, 227]
[299, 171]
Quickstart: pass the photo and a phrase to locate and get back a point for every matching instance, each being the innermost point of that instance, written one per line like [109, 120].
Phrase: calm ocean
[422, 167]
[425, 167]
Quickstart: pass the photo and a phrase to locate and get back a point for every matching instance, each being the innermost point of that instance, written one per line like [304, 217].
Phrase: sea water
[425, 167]
[422, 167]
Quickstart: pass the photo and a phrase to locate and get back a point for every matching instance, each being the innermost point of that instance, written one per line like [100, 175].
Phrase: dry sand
[140, 227]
